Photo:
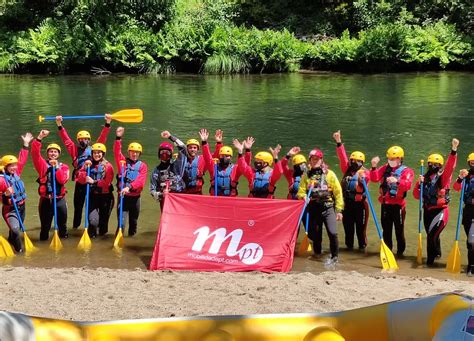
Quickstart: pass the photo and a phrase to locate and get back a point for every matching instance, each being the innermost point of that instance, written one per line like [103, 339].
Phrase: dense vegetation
[229, 36]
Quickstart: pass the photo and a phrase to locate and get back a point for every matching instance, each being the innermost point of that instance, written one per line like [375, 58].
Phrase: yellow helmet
[9, 159]
[54, 146]
[470, 157]
[265, 157]
[226, 150]
[298, 159]
[436, 158]
[83, 134]
[358, 156]
[135, 147]
[193, 141]
[394, 152]
[100, 147]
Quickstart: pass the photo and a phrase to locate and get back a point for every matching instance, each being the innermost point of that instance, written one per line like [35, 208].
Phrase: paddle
[125, 116]
[29, 247]
[118, 242]
[6, 249]
[56, 244]
[85, 243]
[386, 255]
[419, 251]
[454, 258]
[305, 245]
[215, 178]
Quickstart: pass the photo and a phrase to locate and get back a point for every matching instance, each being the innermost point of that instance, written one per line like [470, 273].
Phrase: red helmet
[316, 152]
[166, 145]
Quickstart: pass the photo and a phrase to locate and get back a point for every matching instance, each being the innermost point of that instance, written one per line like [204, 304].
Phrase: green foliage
[226, 64]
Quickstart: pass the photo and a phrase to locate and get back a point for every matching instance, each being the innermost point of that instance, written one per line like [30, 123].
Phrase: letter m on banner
[207, 233]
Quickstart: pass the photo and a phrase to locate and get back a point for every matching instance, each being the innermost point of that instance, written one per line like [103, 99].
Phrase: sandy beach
[83, 294]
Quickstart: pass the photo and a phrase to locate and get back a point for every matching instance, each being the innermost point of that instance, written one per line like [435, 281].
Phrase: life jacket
[19, 194]
[163, 175]
[433, 194]
[193, 178]
[83, 154]
[293, 189]
[261, 187]
[469, 190]
[98, 173]
[321, 192]
[392, 189]
[225, 185]
[131, 173]
[351, 189]
[46, 184]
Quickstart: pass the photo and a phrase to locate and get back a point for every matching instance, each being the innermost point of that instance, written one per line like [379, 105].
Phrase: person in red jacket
[395, 181]
[101, 199]
[293, 176]
[436, 182]
[228, 174]
[13, 188]
[356, 209]
[262, 178]
[45, 190]
[468, 212]
[80, 152]
[134, 180]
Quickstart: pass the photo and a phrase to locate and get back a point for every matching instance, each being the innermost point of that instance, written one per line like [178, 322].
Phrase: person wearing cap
[468, 211]
[228, 173]
[436, 183]
[13, 188]
[325, 203]
[45, 189]
[395, 180]
[356, 209]
[134, 177]
[101, 199]
[293, 176]
[80, 152]
[262, 178]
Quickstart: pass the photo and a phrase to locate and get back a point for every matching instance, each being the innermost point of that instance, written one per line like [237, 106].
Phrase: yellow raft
[442, 317]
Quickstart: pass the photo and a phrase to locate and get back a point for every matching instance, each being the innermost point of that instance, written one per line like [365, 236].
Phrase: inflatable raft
[441, 317]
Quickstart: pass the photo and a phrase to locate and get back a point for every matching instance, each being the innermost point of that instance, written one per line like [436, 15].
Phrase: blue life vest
[432, 193]
[47, 181]
[82, 156]
[349, 187]
[191, 170]
[98, 173]
[469, 190]
[131, 172]
[224, 183]
[392, 188]
[295, 186]
[261, 187]
[19, 194]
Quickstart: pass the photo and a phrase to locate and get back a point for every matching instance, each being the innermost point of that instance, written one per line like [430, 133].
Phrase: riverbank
[82, 294]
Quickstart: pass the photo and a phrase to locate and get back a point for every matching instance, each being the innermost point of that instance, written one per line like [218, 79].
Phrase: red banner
[207, 233]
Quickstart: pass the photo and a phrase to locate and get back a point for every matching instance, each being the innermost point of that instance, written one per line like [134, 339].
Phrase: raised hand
[239, 146]
[204, 134]
[249, 141]
[119, 132]
[219, 135]
[454, 144]
[59, 120]
[293, 151]
[27, 138]
[337, 136]
[375, 161]
[108, 118]
[275, 151]
[165, 134]
[42, 134]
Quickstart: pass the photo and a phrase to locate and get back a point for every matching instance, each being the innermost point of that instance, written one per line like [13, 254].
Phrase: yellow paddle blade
[85, 243]
[29, 247]
[419, 251]
[128, 116]
[118, 242]
[56, 244]
[304, 246]
[5, 248]
[386, 257]
[454, 259]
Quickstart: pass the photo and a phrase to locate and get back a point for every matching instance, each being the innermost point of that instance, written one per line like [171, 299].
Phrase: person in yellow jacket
[325, 203]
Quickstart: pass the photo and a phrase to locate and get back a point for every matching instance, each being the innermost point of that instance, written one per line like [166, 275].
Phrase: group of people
[328, 200]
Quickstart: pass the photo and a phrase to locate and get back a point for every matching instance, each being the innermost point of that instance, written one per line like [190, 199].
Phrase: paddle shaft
[88, 189]
[121, 198]
[55, 209]
[369, 200]
[304, 208]
[215, 179]
[458, 224]
[53, 118]
[307, 222]
[420, 213]
[22, 227]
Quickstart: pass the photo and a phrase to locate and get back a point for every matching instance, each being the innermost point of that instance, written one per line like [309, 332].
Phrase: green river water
[420, 112]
